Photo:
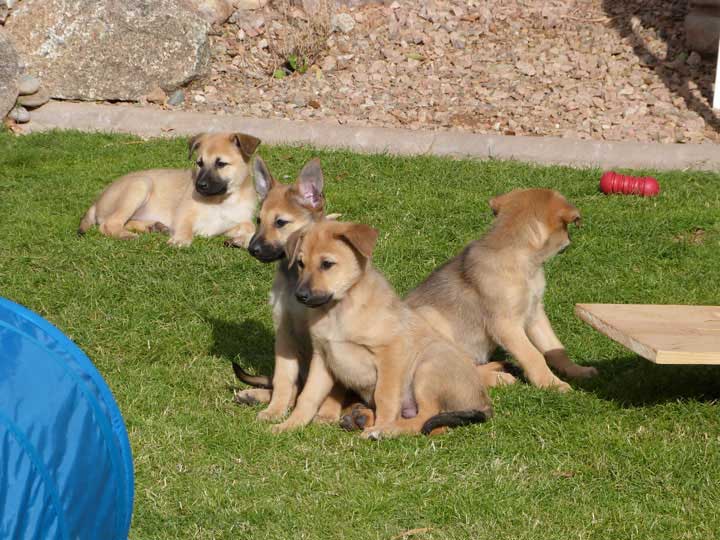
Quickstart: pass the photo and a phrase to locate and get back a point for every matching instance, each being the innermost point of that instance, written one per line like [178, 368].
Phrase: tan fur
[492, 293]
[284, 210]
[366, 338]
[168, 199]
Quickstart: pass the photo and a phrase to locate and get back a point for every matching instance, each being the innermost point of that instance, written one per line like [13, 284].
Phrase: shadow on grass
[247, 342]
[673, 70]
[631, 381]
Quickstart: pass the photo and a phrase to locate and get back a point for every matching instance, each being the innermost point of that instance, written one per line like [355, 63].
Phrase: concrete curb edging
[151, 122]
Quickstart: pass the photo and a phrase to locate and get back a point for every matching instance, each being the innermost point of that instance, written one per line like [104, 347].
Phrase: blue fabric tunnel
[66, 469]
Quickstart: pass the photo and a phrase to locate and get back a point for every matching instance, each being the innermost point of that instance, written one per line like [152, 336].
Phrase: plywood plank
[662, 334]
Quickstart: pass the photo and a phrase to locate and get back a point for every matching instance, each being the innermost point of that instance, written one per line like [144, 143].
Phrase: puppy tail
[454, 419]
[258, 381]
[87, 221]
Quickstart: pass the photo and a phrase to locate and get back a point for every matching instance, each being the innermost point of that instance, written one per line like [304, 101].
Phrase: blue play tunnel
[66, 469]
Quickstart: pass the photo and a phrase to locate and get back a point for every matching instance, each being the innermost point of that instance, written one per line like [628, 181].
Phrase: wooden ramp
[662, 334]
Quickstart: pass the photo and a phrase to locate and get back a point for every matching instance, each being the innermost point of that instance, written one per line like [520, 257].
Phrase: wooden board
[662, 334]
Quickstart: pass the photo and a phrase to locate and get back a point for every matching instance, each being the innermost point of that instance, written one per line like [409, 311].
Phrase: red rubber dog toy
[645, 186]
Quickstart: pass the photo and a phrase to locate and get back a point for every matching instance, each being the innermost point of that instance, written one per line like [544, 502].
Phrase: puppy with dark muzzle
[285, 209]
[215, 198]
[365, 338]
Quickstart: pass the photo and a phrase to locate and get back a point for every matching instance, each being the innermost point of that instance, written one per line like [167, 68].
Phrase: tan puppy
[216, 197]
[492, 293]
[366, 338]
[286, 209]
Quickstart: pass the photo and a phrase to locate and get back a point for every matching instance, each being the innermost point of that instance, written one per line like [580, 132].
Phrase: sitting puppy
[216, 197]
[492, 293]
[286, 208]
[364, 337]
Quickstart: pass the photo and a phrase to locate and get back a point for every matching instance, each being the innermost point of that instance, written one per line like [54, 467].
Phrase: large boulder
[8, 74]
[110, 49]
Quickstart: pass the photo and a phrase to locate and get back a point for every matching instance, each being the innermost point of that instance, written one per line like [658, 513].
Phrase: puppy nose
[302, 295]
[254, 249]
[202, 184]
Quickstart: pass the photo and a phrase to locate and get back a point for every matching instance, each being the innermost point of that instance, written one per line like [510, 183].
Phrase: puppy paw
[179, 242]
[582, 372]
[372, 434]
[503, 379]
[127, 235]
[560, 386]
[244, 397]
[270, 415]
[237, 242]
[287, 425]
[158, 227]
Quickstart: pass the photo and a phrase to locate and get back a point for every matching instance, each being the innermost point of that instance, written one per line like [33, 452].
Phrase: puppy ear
[264, 181]
[310, 185]
[293, 245]
[362, 237]
[194, 143]
[570, 214]
[496, 203]
[247, 144]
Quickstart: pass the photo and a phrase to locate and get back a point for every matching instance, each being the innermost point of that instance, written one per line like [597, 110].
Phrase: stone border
[152, 122]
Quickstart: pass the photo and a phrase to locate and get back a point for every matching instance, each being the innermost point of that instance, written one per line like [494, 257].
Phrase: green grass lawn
[634, 453]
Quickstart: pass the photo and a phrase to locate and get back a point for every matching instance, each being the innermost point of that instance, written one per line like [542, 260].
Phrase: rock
[343, 22]
[694, 59]
[176, 98]
[157, 95]
[19, 115]
[8, 74]
[702, 30]
[525, 68]
[329, 63]
[250, 4]
[314, 103]
[27, 84]
[213, 11]
[110, 50]
[299, 100]
[33, 101]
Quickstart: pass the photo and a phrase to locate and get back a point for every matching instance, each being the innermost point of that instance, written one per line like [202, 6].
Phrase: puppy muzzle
[264, 252]
[208, 184]
[312, 299]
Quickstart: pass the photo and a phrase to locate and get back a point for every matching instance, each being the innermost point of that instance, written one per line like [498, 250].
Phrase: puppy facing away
[492, 293]
[215, 197]
[285, 209]
[366, 338]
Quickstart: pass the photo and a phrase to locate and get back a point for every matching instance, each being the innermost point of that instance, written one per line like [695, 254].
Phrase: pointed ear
[293, 245]
[362, 237]
[247, 144]
[569, 214]
[194, 143]
[264, 181]
[310, 185]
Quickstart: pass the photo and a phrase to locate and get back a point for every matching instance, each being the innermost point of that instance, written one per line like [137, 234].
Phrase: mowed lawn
[634, 453]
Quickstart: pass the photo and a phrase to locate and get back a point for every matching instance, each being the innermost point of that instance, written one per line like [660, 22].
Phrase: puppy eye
[199, 162]
[220, 164]
[301, 264]
[326, 265]
[280, 223]
[257, 220]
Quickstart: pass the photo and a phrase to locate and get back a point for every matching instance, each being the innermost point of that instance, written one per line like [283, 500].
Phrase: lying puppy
[492, 293]
[366, 338]
[214, 198]
[284, 210]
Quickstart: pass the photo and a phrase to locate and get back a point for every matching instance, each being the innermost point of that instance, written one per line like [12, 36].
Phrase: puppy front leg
[182, 230]
[317, 388]
[389, 390]
[514, 340]
[543, 337]
[240, 236]
[285, 376]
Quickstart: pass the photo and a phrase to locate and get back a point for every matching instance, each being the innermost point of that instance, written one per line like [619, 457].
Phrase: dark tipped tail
[258, 381]
[455, 419]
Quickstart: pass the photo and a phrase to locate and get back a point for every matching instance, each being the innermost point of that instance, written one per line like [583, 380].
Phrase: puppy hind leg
[493, 374]
[329, 412]
[114, 224]
[252, 396]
